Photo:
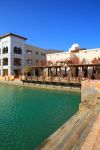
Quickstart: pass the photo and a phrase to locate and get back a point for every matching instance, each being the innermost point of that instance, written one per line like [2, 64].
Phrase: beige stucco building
[34, 55]
[75, 51]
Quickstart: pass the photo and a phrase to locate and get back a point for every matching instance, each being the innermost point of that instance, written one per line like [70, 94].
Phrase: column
[65, 71]
[56, 71]
[48, 72]
[60, 71]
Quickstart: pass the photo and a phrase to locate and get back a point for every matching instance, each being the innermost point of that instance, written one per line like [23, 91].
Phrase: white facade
[13, 54]
[88, 54]
[58, 56]
[75, 51]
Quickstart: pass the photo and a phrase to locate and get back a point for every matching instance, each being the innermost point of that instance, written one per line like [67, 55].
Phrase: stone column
[48, 72]
[65, 71]
[56, 71]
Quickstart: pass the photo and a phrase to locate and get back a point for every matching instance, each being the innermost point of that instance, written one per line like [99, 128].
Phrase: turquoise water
[28, 116]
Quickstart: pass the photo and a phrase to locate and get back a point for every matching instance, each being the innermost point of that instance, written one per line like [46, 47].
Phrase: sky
[53, 24]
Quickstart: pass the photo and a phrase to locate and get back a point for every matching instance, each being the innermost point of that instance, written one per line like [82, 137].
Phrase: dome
[74, 47]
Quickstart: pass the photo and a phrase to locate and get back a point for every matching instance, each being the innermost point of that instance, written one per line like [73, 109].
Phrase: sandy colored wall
[33, 56]
[88, 55]
[90, 92]
[58, 56]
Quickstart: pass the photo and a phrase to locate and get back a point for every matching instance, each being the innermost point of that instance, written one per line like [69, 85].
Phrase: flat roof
[12, 34]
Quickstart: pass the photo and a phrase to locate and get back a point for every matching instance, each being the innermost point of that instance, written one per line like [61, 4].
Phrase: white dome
[74, 47]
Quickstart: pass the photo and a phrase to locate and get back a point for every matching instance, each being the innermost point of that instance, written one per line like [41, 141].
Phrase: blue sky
[53, 24]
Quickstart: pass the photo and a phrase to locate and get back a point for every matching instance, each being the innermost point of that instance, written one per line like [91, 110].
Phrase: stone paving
[92, 141]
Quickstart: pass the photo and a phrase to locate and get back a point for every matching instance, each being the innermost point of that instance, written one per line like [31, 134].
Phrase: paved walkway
[92, 141]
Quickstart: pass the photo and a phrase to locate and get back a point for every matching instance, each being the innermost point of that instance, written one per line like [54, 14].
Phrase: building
[75, 51]
[50, 51]
[81, 57]
[15, 54]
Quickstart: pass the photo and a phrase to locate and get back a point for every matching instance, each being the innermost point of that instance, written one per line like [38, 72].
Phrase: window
[42, 54]
[29, 52]
[36, 52]
[17, 72]
[5, 50]
[5, 61]
[29, 61]
[17, 50]
[5, 72]
[17, 61]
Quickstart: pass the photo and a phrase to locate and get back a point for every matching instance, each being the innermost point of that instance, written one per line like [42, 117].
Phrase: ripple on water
[28, 116]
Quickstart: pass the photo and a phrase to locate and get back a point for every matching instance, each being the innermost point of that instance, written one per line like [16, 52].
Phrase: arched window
[17, 50]
[5, 50]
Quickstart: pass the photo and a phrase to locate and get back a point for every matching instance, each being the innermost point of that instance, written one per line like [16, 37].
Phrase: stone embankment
[17, 82]
[82, 131]
[92, 141]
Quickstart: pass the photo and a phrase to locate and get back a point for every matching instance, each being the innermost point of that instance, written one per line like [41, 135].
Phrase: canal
[28, 116]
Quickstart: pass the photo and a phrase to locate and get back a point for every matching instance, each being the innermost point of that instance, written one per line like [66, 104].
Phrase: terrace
[69, 75]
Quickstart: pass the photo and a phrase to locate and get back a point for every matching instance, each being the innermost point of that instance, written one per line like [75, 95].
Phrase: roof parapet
[12, 34]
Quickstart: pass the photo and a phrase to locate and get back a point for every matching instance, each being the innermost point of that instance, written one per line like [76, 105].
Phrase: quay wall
[42, 86]
[90, 92]
[72, 134]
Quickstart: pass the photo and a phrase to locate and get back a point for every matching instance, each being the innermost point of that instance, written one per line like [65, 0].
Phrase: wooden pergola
[56, 67]
[76, 66]
[84, 65]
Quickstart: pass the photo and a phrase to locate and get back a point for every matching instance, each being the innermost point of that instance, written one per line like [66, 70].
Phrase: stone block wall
[90, 92]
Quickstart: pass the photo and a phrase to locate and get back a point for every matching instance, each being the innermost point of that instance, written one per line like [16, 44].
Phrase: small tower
[74, 48]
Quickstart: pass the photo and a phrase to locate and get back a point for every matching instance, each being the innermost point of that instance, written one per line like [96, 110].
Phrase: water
[28, 116]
